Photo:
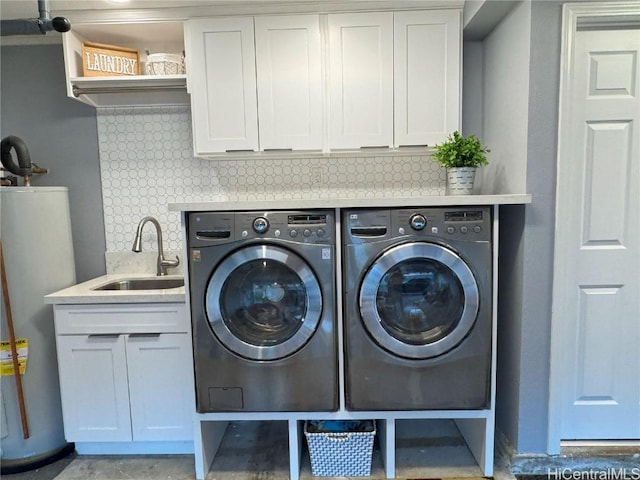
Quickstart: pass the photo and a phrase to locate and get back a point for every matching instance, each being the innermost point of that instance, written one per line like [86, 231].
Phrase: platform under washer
[262, 292]
[417, 299]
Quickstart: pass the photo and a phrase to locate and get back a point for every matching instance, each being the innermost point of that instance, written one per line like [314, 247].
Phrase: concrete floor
[259, 451]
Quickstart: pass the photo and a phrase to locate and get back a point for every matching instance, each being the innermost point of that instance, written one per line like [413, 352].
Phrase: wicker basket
[165, 64]
[341, 454]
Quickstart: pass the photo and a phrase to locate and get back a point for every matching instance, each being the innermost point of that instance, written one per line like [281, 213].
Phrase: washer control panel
[312, 227]
[301, 227]
[463, 223]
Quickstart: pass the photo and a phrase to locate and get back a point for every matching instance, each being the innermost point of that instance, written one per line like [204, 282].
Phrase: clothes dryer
[417, 286]
[262, 291]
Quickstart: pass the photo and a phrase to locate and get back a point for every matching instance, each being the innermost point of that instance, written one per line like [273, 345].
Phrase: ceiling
[484, 14]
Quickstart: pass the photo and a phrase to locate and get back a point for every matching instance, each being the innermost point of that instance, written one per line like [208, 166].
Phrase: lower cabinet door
[93, 387]
[160, 386]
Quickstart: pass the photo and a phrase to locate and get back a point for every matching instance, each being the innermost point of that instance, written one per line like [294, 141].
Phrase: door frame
[574, 15]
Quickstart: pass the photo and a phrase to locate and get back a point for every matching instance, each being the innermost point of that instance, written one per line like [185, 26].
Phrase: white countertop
[324, 203]
[84, 293]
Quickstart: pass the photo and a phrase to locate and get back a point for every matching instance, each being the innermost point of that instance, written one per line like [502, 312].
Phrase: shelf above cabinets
[128, 91]
[133, 90]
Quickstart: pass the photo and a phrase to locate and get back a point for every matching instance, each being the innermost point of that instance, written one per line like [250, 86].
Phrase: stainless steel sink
[142, 284]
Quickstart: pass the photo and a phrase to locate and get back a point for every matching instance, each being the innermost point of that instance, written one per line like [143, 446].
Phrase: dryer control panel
[463, 223]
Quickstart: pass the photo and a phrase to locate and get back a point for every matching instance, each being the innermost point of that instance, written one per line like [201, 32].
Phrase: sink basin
[142, 284]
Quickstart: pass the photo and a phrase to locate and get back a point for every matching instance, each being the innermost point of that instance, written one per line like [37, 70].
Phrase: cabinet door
[161, 386]
[288, 59]
[427, 57]
[361, 62]
[93, 388]
[222, 83]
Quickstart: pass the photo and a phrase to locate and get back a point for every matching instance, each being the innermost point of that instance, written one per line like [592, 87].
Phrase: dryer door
[419, 300]
[263, 302]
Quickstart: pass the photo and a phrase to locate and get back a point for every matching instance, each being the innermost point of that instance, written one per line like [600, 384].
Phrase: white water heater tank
[35, 229]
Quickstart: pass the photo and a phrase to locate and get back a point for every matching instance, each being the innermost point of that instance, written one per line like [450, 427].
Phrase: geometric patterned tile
[147, 162]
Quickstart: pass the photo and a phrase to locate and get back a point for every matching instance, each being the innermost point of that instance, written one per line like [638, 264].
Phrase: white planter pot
[460, 180]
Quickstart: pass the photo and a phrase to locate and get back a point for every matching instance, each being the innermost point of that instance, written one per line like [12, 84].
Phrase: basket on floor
[341, 453]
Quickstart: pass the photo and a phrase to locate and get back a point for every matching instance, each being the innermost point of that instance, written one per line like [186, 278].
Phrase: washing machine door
[263, 302]
[419, 300]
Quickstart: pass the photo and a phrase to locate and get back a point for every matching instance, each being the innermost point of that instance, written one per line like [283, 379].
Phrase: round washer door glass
[419, 300]
[263, 302]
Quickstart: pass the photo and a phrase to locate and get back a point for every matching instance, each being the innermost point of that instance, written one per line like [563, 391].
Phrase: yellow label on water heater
[6, 362]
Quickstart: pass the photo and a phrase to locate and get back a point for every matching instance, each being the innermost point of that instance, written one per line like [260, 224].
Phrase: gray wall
[539, 225]
[61, 135]
[526, 256]
[505, 101]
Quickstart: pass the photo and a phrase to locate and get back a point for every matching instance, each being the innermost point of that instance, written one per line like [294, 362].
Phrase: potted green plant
[461, 156]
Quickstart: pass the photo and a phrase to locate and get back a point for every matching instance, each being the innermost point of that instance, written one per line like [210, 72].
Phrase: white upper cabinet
[361, 80]
[255, 88]
[427, 86]
[222, 83]
[289, 72]
[337, 81]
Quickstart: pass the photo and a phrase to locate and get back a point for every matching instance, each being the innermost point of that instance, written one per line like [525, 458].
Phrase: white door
[361, 62]
[160, 386]
[93, 387]
[427, 90]
[289, 65]
[597, 254]
[222, 84]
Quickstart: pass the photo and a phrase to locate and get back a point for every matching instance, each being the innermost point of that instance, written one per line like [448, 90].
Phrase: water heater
[35, 229]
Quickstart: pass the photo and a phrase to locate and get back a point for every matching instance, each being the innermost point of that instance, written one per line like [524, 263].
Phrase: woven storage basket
[340, 454]
[165, 64]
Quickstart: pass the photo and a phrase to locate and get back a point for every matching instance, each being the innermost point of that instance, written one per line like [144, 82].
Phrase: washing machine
[417, 286]
[262, 291]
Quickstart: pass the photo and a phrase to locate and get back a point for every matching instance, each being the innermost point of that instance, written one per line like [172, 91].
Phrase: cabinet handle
[144, 335]
[365, 147]
[278, 150]
[240, 151]
[104, 335]
[422, 145]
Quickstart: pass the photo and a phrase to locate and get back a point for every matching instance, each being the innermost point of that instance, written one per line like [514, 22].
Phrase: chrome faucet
[162, 263]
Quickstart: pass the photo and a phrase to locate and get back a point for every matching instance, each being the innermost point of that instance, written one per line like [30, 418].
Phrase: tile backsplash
[147, 162]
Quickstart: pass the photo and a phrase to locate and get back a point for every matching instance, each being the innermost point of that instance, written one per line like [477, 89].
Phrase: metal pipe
[41, 25]
[43, 9]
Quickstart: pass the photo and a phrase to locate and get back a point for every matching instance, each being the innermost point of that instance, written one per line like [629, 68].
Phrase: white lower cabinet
[159, 396]
[94, 388]
[132, 385]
